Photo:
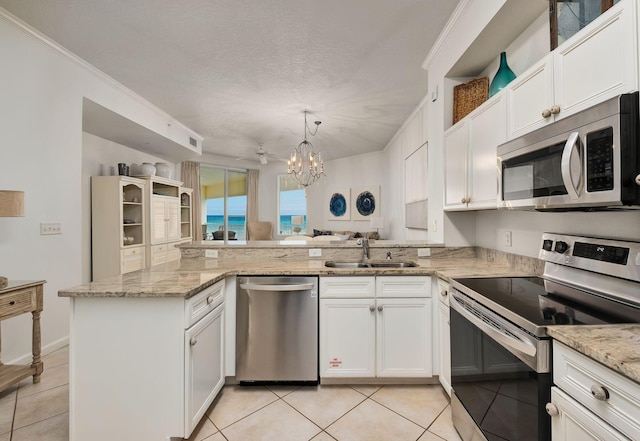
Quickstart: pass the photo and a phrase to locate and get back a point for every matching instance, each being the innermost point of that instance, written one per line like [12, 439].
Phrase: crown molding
[460, 10]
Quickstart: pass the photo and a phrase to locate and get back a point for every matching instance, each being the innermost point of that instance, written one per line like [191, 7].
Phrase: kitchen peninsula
[135, 336]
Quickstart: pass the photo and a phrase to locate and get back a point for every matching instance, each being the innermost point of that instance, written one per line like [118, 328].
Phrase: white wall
[41, 144]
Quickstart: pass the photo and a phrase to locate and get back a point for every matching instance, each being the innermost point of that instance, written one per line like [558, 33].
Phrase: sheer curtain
[190, 174]
[252, 196]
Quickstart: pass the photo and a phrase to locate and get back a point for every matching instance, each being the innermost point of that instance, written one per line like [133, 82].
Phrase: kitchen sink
[342, 264]
[371, 264]
[392, 264]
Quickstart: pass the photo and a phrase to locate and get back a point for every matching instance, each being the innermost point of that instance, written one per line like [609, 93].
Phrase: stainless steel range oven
[500, 351]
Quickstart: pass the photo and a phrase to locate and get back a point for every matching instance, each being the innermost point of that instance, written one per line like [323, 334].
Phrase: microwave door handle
[572, 144]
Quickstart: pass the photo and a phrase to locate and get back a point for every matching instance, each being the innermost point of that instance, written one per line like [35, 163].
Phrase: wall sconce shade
[11, 203]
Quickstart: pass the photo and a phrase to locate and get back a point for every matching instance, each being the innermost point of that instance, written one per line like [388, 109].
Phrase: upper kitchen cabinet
[414, 132]
[167, 139]
[471, 180]
[597, 63]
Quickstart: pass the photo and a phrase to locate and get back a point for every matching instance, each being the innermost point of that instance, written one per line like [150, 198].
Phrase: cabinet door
[456, 141]
[172, 207]
[347, 338]
[204, 366]
[487, 129]
[404, 337]
[528, 96]
[574, 422]
[598, 63]
[158, 220]
[445, 347]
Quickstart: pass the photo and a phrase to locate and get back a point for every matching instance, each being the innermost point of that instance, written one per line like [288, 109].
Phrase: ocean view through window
[292, 207]
[224, 196]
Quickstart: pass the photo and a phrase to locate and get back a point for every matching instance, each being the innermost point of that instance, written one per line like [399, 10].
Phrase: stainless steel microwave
[590, 160]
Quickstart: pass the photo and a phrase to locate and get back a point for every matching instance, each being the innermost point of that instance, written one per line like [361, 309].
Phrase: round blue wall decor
[337, 205]
[366, 203]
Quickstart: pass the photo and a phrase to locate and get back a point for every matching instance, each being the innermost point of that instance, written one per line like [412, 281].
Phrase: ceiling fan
[262, 155]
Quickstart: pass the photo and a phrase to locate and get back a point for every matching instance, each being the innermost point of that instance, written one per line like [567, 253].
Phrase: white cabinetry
[444, 335]
[591, 401]
[165, 214]
[185, 214]
[133, 359]
[470, 157]
[596, 64]
[375, 327]
[118, 225]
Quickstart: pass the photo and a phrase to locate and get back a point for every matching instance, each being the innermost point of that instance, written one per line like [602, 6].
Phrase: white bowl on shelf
[164, 170]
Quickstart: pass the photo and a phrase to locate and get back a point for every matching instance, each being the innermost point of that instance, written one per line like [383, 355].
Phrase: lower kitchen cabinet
[152, 364]
[375, 336]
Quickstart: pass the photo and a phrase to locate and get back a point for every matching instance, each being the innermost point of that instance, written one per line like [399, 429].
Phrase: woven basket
[468, 96]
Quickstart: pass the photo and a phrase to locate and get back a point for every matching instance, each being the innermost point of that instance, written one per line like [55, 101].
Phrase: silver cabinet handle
[277, 288]
[552, 409]
[193, 341]
[380, 308]
[209, 300]
[372, 308]
[600, 393]
[555, 109]
[546, 113]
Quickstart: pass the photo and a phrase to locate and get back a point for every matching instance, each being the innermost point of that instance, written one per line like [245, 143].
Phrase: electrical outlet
[212, 254]
[47, 228]
[424, 252]
[507, 238]
[315, 252]
[435, 225]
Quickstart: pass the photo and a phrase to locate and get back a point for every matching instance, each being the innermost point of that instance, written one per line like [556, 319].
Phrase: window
[224, 202]
[292, 206]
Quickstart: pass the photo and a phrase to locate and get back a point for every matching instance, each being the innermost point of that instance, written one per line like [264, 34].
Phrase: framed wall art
[366, 202]
[339, 205]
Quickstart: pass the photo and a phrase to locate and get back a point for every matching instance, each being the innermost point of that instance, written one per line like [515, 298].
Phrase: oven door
[496, 394]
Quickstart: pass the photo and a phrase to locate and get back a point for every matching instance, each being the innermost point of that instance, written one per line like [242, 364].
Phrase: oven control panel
[607, 256]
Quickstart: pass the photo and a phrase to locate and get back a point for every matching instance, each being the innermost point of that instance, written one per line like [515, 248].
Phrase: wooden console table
[20, 297]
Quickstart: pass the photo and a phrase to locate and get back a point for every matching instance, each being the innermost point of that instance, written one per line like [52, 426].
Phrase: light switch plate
[315, 252]
[212, 254]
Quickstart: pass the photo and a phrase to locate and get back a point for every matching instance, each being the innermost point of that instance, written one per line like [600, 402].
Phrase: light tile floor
[30, 412]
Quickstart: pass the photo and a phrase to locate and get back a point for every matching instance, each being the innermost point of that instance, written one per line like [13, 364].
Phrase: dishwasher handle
[283, 287]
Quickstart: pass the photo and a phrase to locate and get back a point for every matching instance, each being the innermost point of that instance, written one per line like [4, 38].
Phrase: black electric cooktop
[527, 298]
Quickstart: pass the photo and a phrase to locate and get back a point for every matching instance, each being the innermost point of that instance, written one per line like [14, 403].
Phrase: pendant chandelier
[305, 165]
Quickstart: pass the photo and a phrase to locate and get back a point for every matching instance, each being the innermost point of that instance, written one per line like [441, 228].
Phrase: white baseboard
[27, 358]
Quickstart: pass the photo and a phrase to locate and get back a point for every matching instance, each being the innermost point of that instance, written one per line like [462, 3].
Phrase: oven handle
[283, 287]
[572, 144]
[511, 343]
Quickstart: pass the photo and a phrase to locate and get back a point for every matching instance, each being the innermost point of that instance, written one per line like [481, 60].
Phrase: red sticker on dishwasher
[335, 363]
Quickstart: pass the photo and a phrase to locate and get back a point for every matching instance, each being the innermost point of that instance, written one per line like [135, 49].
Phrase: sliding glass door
[224, 202]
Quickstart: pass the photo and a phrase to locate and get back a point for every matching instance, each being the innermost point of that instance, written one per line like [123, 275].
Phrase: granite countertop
[615, 346]
[378, 243]
[187, 277]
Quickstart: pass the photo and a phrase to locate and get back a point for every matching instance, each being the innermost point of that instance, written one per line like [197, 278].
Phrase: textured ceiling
[241, 73]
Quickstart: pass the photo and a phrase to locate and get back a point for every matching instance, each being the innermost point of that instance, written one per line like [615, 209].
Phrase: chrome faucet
[364, 241]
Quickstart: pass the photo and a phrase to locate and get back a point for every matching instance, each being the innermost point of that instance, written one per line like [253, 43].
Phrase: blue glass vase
[503, 77]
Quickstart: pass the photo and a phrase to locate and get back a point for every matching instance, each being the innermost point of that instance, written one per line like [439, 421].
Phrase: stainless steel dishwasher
[277, 329]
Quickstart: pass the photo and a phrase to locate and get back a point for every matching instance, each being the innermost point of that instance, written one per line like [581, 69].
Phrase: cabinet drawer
[403, 287]
[159, 249]
[173, 254]
[576, 374]
[347, 287]
[18, 302]
[131, 252]
[131, 263]
[202, 303]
